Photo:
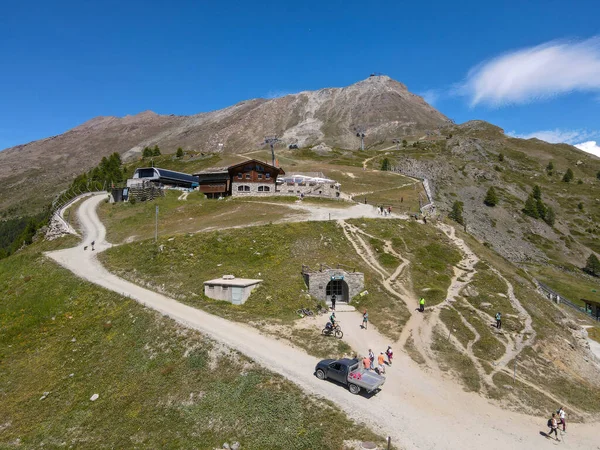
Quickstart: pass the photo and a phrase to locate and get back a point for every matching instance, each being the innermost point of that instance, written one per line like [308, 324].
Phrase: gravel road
[417, 409]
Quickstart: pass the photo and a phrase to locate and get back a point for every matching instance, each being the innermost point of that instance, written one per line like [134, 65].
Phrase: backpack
[549, 423]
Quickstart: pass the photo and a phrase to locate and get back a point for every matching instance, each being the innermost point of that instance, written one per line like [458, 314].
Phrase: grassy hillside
[160, 386]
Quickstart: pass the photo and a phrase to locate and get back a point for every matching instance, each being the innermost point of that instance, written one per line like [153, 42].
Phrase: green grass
[137, 221]
[456, 362]
[574, 285]
[452, 321]
[402, 200]
[431, 254]
[488, 347]
[160, 385]
[274, 253]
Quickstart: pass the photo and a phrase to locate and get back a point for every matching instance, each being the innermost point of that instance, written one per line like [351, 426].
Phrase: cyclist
[332, 319]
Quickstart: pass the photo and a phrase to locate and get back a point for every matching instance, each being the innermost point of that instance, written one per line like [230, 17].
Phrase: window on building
[261, 188]
[225, 288]
[246, 188]
[240, 188]
[240, 175]
[247, 176]
[211, 288]
[260, 176]
[267, 188]
[267, 175]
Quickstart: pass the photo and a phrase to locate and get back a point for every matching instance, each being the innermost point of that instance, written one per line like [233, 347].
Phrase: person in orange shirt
[366, 363]
[381, 363]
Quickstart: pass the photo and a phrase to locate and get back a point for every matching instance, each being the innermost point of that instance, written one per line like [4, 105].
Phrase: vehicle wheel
[320, 374]
[300, 312]
[325, 332]
[339, 334]
[309, 313]
[354, 389]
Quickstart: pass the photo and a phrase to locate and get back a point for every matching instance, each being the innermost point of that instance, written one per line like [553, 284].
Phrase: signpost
[156, 225]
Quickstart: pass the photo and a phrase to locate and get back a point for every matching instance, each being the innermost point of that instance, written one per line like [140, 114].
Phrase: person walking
[562, 418]
[498, 320]
[365, 319]
[93, 242]
[422, 304]
[333, 302]
[553, 426]
[381, 363]
[366, 363]
[372, 358]
[390, 355]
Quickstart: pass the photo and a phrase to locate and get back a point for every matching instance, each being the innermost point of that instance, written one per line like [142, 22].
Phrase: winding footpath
[417, 410]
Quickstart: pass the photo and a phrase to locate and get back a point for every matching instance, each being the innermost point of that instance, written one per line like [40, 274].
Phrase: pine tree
[147, 152]
[568, 176]
[457, 212]
[598, 175]
[550, 216]
[179, 152]
[385, 164]
[592, 266]
[537, 192]
[156, 151]
[542, 209]
[530, 207]
[405, 143]
[550, 168]
[491, 199]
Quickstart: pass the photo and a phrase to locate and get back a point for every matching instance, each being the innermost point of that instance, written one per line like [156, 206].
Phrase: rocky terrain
[383, 107]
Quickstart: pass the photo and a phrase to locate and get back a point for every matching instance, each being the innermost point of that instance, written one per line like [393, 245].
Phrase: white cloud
[589, 147]
[546, 70]
[558, 136]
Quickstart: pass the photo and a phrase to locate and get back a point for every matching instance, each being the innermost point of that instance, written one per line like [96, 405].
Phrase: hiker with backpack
[562, 417]
[553, 425]
[498, 320]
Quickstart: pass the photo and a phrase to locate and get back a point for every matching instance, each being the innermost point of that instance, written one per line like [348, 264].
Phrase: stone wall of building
[317, 282]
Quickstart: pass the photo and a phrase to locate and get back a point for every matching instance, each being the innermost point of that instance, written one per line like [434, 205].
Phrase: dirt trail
[419, 411]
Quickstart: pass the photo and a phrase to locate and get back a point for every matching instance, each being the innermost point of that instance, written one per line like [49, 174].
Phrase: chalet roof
[213, 170]
[256, 161]
[595, 302]
[170, 175]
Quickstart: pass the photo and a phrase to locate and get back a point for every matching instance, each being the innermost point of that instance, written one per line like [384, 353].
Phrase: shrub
[550, 168]
[491, 199]
[405, 143]
[147, 152]
[457, 212]
[580, 181]
[501, 157]
[598, 175]
[385, 164]
[568, 176]
[580, 206]
[179, 153]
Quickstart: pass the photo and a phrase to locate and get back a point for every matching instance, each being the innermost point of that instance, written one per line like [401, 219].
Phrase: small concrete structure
[231, 289]
[323, 283]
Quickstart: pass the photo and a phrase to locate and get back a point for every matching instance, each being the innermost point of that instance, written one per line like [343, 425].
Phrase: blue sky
[532, 67]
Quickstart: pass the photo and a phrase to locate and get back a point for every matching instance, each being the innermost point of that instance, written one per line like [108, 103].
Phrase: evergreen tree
[598, 175]
[147, 152]
[385, 164]
[491, 199]
[457, 212]
[550, 216]
[405, 143]
[593, 266]
[537, 192]
[568, 176]
[179, 152]
[550, 168]
[541, 208]
[530, 207]
[501, 157]
[156, 151]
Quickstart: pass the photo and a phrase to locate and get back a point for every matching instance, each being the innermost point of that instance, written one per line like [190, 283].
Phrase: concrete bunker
[322, 283]
[231, 289]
